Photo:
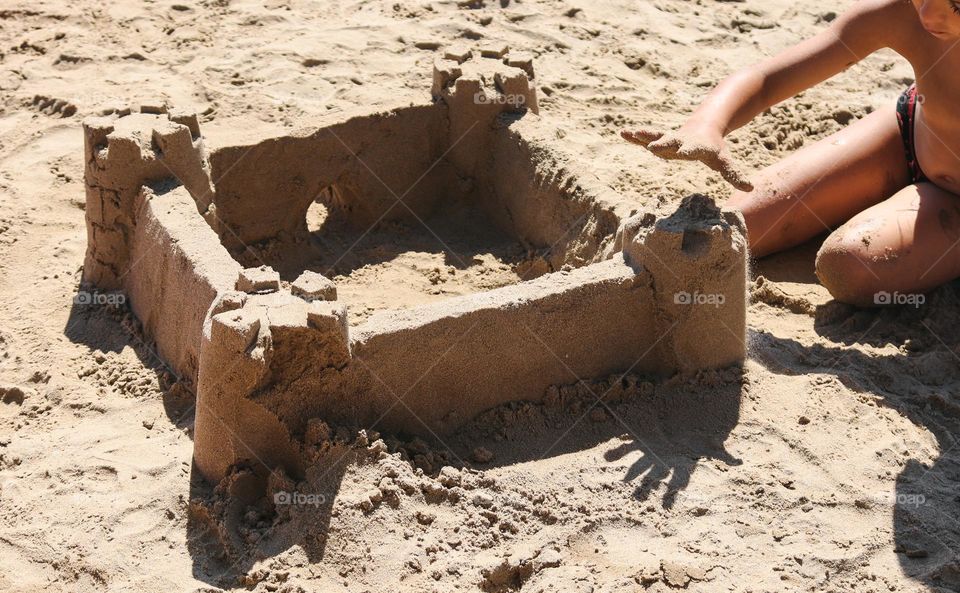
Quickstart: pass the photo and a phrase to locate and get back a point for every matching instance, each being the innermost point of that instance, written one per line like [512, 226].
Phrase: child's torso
[936, 66]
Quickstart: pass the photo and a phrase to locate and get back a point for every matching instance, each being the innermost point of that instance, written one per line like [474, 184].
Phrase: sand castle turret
[252, 342]
[478, 86]
[123, 152]
[697, 257]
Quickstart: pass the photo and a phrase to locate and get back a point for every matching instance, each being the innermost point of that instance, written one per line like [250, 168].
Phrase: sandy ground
[829, 464]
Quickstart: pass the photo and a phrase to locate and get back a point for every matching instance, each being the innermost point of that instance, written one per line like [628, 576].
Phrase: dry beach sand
[828, 464]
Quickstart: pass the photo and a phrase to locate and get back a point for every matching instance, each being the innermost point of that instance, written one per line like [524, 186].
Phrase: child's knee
[845, 272]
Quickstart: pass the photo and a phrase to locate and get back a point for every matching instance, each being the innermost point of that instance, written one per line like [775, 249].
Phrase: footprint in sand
[53, 106]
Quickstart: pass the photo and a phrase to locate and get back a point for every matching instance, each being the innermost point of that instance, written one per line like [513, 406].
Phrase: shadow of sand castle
[674, 426]
[338, 245]
[232, 526]
[109, 329]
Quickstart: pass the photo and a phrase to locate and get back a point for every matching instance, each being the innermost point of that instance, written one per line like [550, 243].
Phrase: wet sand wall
[541, 200]
[384, 166]
[425, 370]
[181, 268]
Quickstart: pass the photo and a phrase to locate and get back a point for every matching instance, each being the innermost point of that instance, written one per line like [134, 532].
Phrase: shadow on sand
[920, 381]
[673, 427]
[113, 328]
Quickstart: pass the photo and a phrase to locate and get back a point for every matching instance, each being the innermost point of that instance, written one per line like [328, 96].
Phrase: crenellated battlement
[124, 151]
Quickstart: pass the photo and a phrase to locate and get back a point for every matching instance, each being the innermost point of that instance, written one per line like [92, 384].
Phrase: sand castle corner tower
[214, 252]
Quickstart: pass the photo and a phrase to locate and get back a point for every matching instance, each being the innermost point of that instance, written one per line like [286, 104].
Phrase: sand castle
[170, 222]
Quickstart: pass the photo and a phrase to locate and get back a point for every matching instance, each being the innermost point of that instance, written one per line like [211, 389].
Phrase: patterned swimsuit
[906, 114]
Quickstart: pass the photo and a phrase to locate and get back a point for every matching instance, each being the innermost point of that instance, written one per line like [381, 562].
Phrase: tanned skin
[891, 235]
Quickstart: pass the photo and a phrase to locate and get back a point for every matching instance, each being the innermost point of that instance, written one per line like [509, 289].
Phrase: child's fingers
[737, 179]
[731, 172]
[666, 147]
[643, 137]
[697, 152]
[718, 160]
[672, 146]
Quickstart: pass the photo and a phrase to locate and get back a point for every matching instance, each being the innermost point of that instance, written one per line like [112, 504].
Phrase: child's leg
[909, 244]
[822, 185]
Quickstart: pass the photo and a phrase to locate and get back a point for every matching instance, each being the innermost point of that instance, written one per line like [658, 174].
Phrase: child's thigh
[909, 243]
[822, 185]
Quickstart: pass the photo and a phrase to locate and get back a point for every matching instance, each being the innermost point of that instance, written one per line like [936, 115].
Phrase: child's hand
[691, 143]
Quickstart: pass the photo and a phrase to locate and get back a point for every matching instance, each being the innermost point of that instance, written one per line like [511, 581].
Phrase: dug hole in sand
[405, 270]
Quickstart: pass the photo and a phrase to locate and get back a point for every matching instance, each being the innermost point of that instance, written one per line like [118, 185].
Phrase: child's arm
[854, 35]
